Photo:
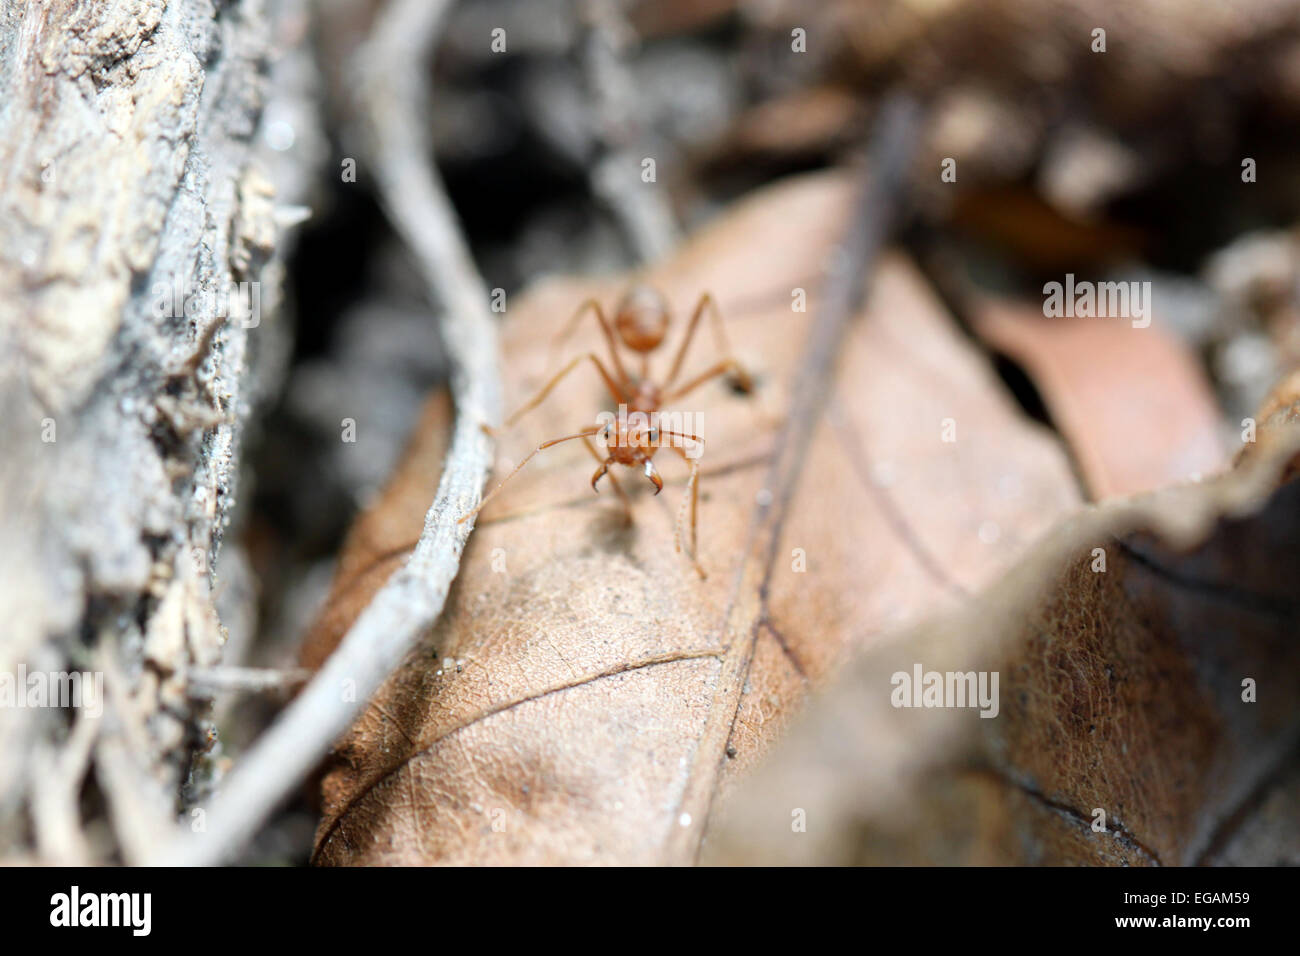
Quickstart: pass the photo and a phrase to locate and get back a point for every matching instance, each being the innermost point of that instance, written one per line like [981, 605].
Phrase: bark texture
[136, 194]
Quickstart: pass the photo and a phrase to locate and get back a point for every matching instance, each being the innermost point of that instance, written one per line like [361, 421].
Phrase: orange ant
[641, 321]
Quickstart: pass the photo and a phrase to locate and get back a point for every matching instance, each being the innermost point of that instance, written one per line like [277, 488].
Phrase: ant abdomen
[642, 318]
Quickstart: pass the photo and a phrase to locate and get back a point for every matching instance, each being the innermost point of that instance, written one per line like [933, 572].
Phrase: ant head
[642, 318]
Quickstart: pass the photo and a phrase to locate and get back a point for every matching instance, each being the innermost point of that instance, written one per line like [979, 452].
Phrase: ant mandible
[641, 321]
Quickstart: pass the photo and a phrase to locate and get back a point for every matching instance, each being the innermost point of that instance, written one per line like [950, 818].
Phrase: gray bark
[139, 187]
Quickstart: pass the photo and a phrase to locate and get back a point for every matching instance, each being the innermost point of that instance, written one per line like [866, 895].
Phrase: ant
[641, 320]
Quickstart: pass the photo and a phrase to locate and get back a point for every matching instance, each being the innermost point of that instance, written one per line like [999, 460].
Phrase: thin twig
[641, 208]
[209, 681]
[393, 100]
[139, 808]
[55, 786]
[875, 211]
[874, 217]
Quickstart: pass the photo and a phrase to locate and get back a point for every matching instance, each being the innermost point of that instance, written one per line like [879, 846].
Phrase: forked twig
[393, 101]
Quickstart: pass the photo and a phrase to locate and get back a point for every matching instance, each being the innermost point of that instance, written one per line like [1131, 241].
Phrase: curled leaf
[1148, 665]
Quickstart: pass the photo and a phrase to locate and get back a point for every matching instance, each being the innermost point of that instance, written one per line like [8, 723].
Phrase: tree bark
[141, 232]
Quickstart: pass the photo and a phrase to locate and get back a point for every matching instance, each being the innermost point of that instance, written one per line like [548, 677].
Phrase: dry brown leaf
[585, 696]
[1105, 382]
[1121, 691]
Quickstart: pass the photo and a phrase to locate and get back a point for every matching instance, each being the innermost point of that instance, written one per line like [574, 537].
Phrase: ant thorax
[645, 398]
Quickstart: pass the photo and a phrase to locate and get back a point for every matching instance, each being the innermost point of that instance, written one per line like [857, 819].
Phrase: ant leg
[594, 306]
[692, 495]
[743, 379]
[727, 365]
[549, 386]
[604, 470]
[546, 444]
